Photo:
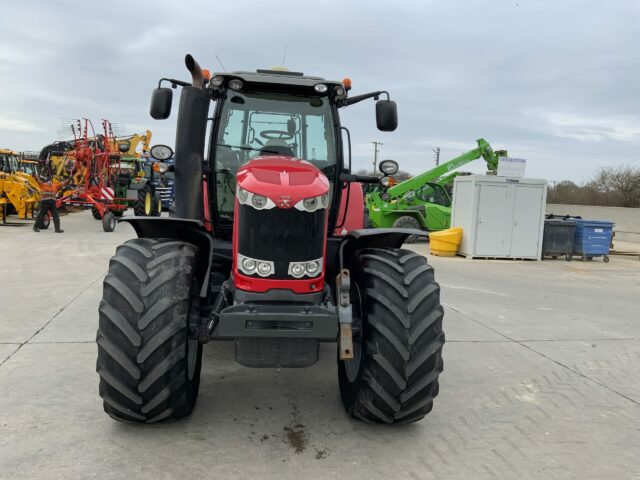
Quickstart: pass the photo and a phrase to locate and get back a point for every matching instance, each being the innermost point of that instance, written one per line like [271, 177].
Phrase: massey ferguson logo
[285, 201]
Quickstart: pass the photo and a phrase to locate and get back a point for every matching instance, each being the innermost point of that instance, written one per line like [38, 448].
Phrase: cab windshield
[434, 193]
[8, 163]
[254, 124]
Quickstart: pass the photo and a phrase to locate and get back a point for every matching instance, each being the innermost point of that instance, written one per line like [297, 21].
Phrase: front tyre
[149, 367]
[145, 206]
[398, 339]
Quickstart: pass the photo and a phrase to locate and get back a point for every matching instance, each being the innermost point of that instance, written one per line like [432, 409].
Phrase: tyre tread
[402, 351]
[142, 336]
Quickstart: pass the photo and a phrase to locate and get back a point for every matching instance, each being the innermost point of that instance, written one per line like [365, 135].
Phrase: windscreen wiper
[247, 148]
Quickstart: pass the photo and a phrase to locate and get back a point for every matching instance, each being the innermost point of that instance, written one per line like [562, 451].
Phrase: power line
[376, 150]
[220, 62]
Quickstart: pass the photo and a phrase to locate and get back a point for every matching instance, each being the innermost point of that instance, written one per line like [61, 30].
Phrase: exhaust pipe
[197, 77]
[190, 139]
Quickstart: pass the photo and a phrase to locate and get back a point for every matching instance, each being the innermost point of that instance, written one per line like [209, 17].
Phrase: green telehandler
[422, 202]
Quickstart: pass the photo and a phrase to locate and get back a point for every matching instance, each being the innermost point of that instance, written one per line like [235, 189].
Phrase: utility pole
[376, 150]
[437, 155]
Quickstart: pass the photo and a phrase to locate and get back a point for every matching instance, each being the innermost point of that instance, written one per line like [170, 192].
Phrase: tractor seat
[277, 146]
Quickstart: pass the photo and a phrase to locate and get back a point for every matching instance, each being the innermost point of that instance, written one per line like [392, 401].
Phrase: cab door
[437, 206]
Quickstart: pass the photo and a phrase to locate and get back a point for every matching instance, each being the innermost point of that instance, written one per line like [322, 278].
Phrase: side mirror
[161, 99]
[386, 115]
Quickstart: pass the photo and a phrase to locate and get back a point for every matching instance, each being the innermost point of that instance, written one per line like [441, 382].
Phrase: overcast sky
[556, 82]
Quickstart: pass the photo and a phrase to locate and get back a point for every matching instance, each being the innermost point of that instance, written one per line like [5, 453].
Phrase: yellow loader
[18, 189]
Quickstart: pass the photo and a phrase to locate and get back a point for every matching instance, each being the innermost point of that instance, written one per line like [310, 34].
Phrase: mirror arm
[350, 177]
[174, 83]
[358, 98]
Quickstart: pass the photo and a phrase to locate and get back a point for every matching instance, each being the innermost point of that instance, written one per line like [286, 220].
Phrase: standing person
[48, 190]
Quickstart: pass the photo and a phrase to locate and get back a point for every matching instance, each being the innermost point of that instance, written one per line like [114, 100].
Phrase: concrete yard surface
[541, 381]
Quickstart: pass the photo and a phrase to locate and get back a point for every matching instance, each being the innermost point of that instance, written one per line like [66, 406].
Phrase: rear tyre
[393, 377]
[109, 222]
[96, 213]
[410, 222]
[149, 367]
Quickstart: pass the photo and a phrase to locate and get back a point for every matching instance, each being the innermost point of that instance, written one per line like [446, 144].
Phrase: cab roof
[273, 78]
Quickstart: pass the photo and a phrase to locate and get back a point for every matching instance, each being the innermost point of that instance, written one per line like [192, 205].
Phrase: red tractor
[266, 248]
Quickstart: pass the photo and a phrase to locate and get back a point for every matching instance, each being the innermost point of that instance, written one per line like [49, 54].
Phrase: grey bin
[558, 236]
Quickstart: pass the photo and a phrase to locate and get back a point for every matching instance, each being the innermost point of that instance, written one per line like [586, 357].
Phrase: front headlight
[251, 266]
[312, 204]
[296, 270]
[264, 269]
[259, 202]
[242, 195]
[311, 268]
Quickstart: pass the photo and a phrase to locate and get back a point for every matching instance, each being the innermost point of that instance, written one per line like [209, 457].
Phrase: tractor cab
[9, 161]
[271, 113]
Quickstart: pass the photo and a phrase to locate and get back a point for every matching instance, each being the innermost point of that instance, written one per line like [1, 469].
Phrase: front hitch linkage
[343, 288]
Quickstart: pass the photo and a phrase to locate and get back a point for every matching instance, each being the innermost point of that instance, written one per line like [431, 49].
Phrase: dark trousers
[48, 206]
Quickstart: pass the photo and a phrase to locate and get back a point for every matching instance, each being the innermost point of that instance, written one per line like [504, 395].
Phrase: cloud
[150, 38]
[550, 81]
[575, 126]
[15, 125]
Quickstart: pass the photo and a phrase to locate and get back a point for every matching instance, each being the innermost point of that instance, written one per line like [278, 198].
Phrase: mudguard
[186, 230]
[373, 238]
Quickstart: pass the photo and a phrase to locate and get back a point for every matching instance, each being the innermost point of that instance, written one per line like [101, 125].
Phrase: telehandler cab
[265, 248]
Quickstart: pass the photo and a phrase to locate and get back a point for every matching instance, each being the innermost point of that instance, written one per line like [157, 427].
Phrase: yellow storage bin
[446, 242]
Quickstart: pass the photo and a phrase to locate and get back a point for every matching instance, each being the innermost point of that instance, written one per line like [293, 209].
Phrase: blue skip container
[592, 238]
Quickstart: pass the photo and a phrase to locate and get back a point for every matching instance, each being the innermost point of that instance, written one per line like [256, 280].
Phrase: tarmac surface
[541, 381]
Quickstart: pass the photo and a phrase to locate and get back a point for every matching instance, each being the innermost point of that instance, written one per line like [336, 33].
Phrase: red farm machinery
[98, 177]
[266, 248]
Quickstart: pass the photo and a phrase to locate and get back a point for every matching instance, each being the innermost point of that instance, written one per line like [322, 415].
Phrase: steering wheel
[276, 135]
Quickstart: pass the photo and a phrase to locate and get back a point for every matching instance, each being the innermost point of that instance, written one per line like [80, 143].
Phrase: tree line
[611, 187]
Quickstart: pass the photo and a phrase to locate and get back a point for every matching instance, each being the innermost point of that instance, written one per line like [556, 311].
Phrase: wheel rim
[352, 367]
[147, 203]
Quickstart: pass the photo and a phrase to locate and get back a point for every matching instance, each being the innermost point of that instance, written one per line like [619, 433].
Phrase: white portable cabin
[500, 217]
